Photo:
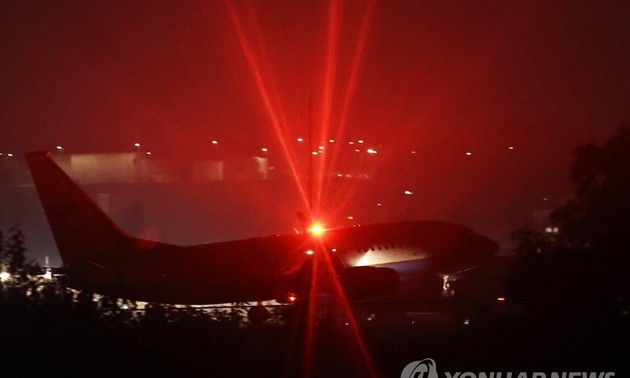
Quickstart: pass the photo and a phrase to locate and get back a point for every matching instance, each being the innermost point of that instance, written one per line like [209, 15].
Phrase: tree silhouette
[584, 267]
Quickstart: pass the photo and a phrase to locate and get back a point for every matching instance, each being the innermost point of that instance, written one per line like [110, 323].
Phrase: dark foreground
[75, 343]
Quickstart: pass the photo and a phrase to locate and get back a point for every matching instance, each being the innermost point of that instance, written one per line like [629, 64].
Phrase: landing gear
[447, 290]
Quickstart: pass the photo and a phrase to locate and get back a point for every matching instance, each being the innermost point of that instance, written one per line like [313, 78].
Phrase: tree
[14, 252]
[586, 264]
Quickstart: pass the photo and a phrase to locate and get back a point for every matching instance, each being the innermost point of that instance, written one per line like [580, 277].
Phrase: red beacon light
[316, 229]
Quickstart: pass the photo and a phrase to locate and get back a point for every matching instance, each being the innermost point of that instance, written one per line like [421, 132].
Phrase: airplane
[370, 260]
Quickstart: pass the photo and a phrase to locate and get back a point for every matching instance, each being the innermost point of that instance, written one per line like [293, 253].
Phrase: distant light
[379, 204]
[466, 322]
[372, 151]
[351, 142]
[135, 144]
[149, 153]
[413, 151]
[331, 141]
[292, 297]
[357, 150]
[300, 140]
[510, 148]
[339, 174]
[545, 199]
[60, 148]
[408, 192]
[350, 217]
[321, 147]
[264, 149]
[10, 155]
[334, 249]
[5, 276]
[310, 252]
[215, 142]
[500, 299]
[48, 275]
[468, 153]
[360, 141]
[315, 153]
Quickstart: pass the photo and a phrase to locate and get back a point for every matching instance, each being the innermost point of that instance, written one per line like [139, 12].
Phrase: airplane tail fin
[82, 231]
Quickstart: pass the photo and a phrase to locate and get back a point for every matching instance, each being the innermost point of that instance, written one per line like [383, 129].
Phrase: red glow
[324, 278]
[275, 115]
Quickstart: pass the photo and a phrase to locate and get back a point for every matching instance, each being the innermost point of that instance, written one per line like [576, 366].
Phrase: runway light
[331, 141]
[360, 141]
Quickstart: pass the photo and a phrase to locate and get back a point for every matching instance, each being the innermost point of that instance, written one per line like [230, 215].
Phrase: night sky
[517, 87]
